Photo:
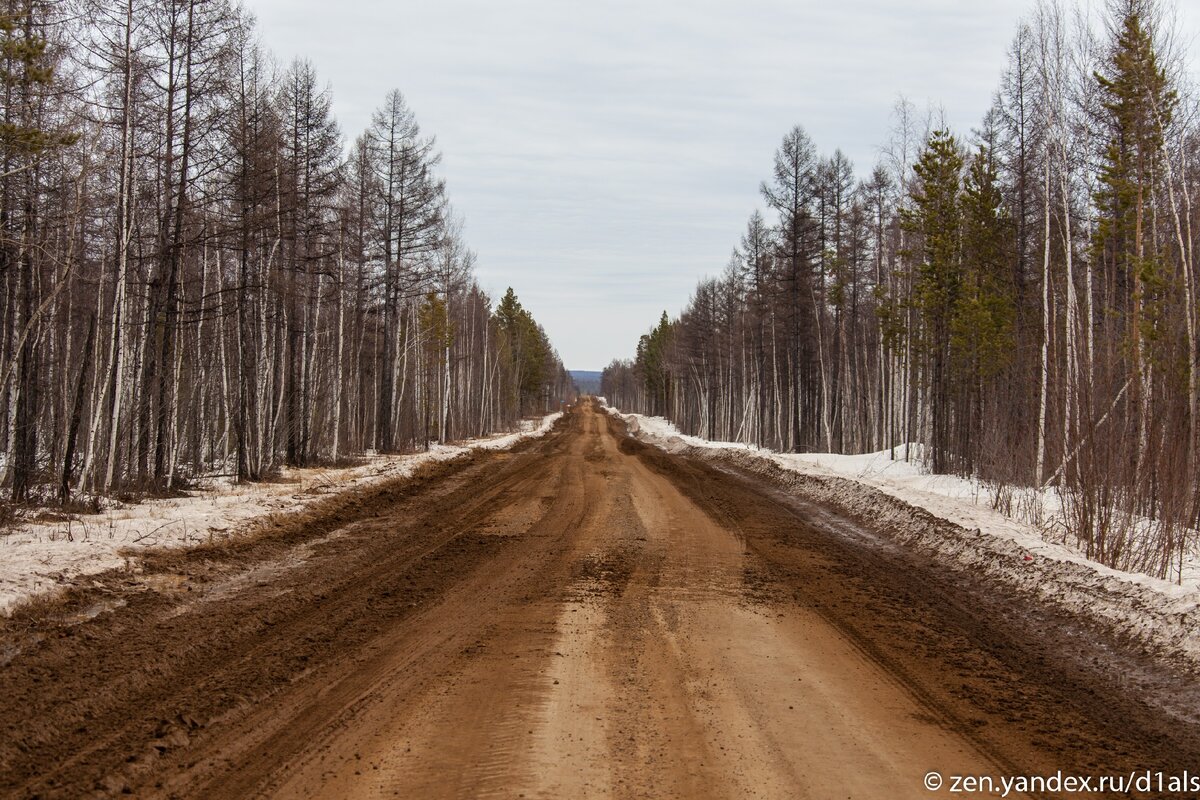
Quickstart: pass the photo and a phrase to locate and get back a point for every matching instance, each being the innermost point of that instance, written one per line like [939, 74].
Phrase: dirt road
[580, 617]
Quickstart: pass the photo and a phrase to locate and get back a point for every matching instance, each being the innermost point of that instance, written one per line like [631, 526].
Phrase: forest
[1017, 302]
[199, 274]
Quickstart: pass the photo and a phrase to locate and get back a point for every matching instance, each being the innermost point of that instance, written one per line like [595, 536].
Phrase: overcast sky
[605, 155]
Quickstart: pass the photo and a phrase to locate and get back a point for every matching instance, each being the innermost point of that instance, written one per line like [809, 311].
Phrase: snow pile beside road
[40, 556]
[664, 434]
[951, 519]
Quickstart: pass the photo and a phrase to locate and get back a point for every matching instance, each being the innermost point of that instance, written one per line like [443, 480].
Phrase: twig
[156, 530]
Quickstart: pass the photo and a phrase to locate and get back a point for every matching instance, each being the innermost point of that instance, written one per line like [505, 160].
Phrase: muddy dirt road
[580, 617]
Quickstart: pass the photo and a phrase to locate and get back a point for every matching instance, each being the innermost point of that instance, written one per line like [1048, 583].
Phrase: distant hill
[587, 380]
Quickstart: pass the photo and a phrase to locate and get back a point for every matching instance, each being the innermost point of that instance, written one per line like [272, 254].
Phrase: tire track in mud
[1014, 678]
[467, 661]
[101, 706]
[581, 616]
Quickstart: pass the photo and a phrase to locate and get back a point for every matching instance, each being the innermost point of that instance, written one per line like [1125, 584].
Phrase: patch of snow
[41, 556]
[664, 432]
[1162, 615]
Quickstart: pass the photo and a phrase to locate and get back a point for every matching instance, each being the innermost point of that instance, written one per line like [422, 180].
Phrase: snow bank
[952, 519]
[39, 556]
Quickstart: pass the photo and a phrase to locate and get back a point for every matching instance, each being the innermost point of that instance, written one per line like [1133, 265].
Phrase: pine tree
[1140, 104]
[530, 355]
[652, 364]
[982, 327]
[936, 220]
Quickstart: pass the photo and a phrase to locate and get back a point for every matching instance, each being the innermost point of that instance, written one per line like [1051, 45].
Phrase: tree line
[1019, 301]
[198, 276]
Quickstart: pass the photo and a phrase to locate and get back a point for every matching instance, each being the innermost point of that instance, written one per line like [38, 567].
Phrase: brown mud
[581, 616]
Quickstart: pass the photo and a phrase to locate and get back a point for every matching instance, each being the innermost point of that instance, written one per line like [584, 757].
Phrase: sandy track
[581, 617]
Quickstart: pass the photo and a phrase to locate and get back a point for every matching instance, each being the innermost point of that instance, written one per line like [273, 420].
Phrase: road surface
[581, 617]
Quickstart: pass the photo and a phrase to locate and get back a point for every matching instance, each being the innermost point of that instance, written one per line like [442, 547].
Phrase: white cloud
[605, 155]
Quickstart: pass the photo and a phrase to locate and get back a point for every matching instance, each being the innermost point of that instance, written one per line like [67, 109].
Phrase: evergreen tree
[982, 327]
[936, 219]
[652, 364]
[1140, 105]
[530, 354]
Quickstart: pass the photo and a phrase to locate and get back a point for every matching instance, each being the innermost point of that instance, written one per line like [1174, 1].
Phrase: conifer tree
[935, 219]
[652, 363]
[982, 327]
[1139, 104]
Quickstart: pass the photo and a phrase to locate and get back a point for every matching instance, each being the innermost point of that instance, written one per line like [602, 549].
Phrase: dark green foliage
[981, 334]
[26, 72]
[964, 307]
[1140, 106]
[652, 365]
[936, 221]
[533, 359]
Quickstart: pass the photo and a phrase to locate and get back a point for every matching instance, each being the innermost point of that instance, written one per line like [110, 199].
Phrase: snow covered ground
[39, 556]
[1161, 615]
